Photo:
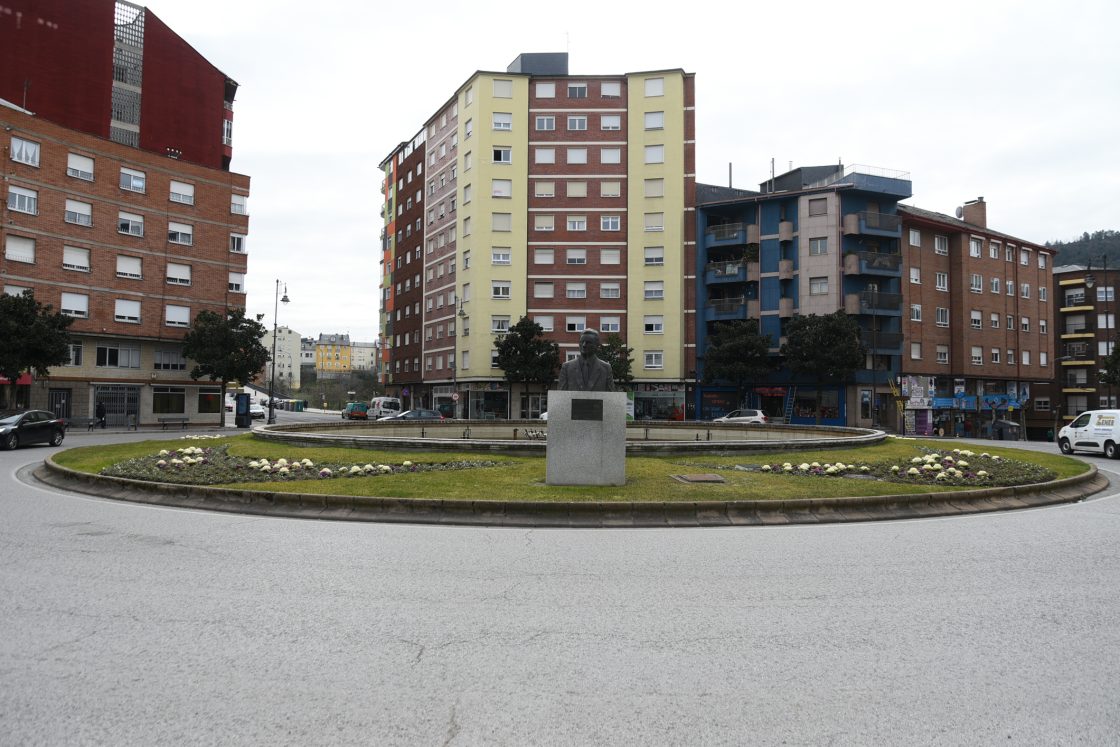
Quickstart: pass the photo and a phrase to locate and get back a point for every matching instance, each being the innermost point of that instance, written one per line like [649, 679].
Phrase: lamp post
[275, 325]
[461, 314]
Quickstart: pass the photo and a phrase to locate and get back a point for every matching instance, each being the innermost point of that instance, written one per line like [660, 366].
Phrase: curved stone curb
[575, 514]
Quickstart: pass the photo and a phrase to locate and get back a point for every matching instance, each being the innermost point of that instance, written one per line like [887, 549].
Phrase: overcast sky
[1016, 101]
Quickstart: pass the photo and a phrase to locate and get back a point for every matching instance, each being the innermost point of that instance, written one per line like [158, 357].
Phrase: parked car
[256, 412]
[415, 415]
[18, 427]
[355, 411]
[744, 416]
[1092, 430]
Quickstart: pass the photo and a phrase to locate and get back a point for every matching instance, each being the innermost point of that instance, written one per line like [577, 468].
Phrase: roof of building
[949, 220]
[334, 339]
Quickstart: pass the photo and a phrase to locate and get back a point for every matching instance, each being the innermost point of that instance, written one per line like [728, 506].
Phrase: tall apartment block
[119, 206]
[814, 240]
[533, 192]
[978, 337]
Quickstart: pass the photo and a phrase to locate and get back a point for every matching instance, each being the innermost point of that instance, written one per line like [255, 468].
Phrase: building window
[610, 155]
[943, 354]
[993, 250]
[1025, 324]
[133, 181]
[941, 244]
[180, 233]
[178, 274]
[653, 359]
[126, 311]
[236, 282]
[610, 89]
[182, 192]
[501, 222]
[655, 154]
[239, 204]
[996, 285]
[542, 289]
[654, 221]
[575, 257]
[577, 122]
[1011, 287]
[916, 275]
[503, 121]
[1024, 257]
[79, 167]
[1010, 323]
[1042, 405]
[499, 325]
[575, 323]
[818, 206]
[577, 90]
[654, 256]
[654, 187]
[1025, 290]
[654, 324]
[977, 356]
[941, 281]
[544, 256]
[75, 305]
[500, 289]
[129, 267]
[24, 151]
[818, 286]
[993, 321]
[576, 290]
[995, 355]
[544, 155]
[546, 90]
[916, 351]
[655, 86]
[1025, 355]
[610, 290]
[610, 222]
[80, 213]
[610, 189]
[545, 123]
[654, 290]
[975, 321]
[610, 122]
[915, 237]
[976, 283]
[1009, 254]
[975, 247]
[74, 258]
[544, 189]
[610, 324]
[116, 356]
[1041, 261]
[177, 316]
[1043, 328]
[818, 246]
[75, 353]
[498, 188]
[544, 222]
[503, 155]
[577, 222]
[23, 200]
[915, 312]
[942, 317]
[130, 224]
[169, 400]
[544, 321]
[655, 120]
[577, 155]
[610, 257]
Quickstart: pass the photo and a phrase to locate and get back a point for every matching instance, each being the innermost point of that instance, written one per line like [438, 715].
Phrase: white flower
[161, 463]
[804, 467]
[917, 460]
[962, 463]
[942, 476]
[865, 468]
[307, 463]
[766, 468]
[894, 469]
[956, 451]
[913, 471]
[384, 468]
[406, 464]
[981, 473]
[832, 471]
[355, 470]
[266, 468]
[787, 467]
[163, 452]
[283, 470]
[995, 457]
[281, 462]
[949, 459]
[176, 461]
[814, 465]
[984, 455]
[966, 453]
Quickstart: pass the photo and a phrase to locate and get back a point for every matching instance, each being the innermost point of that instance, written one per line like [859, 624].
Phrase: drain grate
[701, 478]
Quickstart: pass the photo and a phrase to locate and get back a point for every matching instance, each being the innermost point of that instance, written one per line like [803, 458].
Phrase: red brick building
[119, 206]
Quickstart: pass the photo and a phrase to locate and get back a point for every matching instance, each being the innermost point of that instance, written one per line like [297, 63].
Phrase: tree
[526, 356]
[1110, 374]
[826, 349]
[614, 351]
[226, 348]
[737, 354]
[33, 337]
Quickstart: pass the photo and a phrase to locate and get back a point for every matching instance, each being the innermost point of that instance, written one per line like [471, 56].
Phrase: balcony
[785, 269]
[725, 272]
[785, 307]
[752, 308]
[869, 302]
[872, 263]
[785, 230]
[725, 309]
[869, 223]
[877, 341]
[752, 233]
[726, 234]
[1078, 332]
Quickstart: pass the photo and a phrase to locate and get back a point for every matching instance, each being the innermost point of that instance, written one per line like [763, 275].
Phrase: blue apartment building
[810, 241]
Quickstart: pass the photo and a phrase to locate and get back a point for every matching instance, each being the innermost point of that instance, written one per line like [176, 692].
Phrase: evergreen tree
[825, 349]
[526, 356]
[615, 352]
[33, 337]
[226, 348]
[737, 354]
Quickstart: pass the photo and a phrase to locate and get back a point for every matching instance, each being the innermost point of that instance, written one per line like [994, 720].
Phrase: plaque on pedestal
[586, 438]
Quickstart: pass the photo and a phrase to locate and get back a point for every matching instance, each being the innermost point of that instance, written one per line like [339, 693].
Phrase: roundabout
[682, 475]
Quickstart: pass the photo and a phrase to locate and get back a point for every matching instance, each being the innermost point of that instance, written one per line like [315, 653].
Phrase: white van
[1092, 430]
[380, 407]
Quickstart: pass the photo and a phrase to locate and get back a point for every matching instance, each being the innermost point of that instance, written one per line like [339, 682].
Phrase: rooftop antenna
[729, 175]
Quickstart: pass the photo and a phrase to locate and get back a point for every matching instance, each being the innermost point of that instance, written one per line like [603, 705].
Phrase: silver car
[747, 416]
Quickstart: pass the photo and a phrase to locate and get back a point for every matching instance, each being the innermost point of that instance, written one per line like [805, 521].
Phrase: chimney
[976, 212]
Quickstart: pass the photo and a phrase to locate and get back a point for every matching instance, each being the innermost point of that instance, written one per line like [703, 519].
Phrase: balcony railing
[880, 340]
[874, 223]
[875, 301]
[1078, 329]
[720, 269]
[1075, 299]
[871, 262]
[724, 232]
[726, 305]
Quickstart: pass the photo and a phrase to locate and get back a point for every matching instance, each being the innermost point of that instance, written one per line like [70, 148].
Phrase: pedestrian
[100, 412]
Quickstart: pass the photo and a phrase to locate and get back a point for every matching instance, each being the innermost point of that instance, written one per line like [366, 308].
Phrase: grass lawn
[522, 478]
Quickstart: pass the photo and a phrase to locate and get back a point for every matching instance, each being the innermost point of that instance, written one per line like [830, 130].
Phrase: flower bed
[194, 465]
[958, 467]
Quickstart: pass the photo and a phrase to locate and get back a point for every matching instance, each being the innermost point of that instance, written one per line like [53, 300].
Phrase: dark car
[356, 411]
[415, 415]
[18, 427]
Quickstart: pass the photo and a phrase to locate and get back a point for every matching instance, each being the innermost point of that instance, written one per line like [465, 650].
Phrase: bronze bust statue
[588, 372]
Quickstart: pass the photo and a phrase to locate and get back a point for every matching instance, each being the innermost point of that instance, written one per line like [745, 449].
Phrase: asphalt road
[129, 624]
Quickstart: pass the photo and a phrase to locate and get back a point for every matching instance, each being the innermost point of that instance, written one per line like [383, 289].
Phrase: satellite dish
[960, 212]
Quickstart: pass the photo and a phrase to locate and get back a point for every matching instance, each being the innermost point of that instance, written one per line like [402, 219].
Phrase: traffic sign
[455, 397]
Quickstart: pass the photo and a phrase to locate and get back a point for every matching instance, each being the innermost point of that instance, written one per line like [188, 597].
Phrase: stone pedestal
[586, 438]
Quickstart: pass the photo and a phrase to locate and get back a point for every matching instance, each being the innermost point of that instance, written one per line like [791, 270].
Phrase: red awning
[24, 379]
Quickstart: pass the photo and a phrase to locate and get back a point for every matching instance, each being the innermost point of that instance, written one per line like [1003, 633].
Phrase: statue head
[589, 342]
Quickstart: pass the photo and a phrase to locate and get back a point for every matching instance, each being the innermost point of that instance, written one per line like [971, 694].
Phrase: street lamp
[272, 379]
[455, 362]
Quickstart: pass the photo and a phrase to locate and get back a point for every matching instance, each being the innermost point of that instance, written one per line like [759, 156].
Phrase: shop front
[487, 400]
[918, 395]
[659, 401]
